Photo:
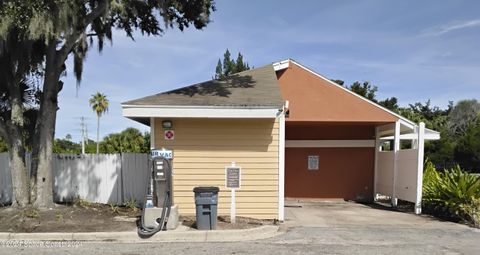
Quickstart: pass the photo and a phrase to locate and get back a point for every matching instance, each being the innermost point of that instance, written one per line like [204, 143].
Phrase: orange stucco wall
[313, 98]
[345, 173]
[330, 131]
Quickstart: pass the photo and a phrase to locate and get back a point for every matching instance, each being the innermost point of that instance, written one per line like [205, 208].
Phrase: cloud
[452, 27]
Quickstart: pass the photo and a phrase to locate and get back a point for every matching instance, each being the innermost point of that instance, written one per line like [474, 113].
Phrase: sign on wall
[169, 135]
[313, 162]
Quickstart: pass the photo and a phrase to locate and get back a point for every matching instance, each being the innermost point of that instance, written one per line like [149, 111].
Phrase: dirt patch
[84, 217]
[223, 223]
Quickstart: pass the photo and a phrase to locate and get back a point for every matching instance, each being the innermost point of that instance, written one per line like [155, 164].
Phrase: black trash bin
[206, 201]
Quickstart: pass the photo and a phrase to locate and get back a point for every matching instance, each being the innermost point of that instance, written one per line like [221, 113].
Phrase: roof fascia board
[197, 106]
[148, 112]
[277, 66]
[353, 93]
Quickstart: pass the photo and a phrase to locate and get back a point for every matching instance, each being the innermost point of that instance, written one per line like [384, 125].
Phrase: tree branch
[72, 38]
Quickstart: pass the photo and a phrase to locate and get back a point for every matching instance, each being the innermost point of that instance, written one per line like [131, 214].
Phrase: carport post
[396, 148]
[281, 167]
[375, 174]
[420, 148]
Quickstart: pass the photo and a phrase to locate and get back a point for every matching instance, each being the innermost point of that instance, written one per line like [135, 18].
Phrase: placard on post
[233, 181]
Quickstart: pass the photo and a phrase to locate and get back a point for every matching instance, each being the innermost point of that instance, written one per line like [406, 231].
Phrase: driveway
[340, 214]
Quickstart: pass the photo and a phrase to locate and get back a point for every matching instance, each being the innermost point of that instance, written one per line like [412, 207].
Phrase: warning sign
[169, 135]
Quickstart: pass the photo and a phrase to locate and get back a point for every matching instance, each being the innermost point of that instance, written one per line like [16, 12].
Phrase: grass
[32, 213]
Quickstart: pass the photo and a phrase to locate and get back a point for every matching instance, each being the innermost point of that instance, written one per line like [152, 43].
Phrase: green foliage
[230, 66]
[129, 140]
[3, 146]
[364, 89]
[132, 205]
[114, 207]
[78, 202]
[467, 149]
[31, 212]
[99, 103]
[450, 194]
[66, 146]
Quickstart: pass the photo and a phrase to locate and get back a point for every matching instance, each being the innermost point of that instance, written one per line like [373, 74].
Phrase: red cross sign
[169, 135]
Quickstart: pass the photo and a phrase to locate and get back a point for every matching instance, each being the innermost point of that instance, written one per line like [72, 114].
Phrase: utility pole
[84, 133]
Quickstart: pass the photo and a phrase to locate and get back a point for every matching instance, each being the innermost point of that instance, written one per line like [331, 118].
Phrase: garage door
[328, 173]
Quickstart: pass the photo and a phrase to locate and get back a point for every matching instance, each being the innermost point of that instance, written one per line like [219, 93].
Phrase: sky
[413, 50]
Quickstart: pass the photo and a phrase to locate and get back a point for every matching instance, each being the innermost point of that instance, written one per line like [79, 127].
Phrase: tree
[99, 104]
[63, 29]
[462, 115]
[230, 66]
[129, 140]
[467, 151]
[19, 62]
[66, 146]
[365, 90]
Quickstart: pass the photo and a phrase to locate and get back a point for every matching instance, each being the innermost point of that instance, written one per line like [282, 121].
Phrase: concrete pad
[350, 214]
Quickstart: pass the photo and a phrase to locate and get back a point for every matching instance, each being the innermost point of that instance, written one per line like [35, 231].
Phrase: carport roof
[257, 88]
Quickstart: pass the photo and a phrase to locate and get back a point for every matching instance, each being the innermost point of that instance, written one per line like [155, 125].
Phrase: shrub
[452, 194]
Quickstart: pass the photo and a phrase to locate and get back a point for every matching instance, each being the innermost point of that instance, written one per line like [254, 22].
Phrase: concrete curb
[233, 235]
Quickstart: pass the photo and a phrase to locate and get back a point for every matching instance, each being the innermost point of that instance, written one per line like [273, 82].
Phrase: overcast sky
[413, 50]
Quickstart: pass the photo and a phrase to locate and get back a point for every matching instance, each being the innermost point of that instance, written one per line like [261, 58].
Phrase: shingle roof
[256, 88]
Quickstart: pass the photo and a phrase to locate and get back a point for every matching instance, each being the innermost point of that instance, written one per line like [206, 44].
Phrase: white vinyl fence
[5, 179]
[103, 178]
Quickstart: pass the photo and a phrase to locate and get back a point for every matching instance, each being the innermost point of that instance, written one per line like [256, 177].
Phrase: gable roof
[251, 89]
[314, 98]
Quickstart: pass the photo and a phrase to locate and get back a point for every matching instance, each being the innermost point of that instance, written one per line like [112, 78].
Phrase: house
[293, 132]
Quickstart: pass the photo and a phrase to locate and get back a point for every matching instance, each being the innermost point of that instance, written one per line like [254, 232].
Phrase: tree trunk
[17, 157]
[98, 132]
[19, 175]
[12, 131]
[45, 131]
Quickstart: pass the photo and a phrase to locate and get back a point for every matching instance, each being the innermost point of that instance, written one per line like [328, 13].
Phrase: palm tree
[99, 104]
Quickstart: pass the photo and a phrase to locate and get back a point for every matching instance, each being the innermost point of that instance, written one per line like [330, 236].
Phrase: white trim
[152, 133]
[352, 93]
[208, 112]
[277, 66]
[375, 171]
[281, 168]
[192, 106]
[396, 148]
[427, 136]
[420, 147]
[329, 143]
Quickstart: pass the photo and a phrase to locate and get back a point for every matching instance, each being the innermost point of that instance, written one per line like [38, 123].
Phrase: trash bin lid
[205, 189]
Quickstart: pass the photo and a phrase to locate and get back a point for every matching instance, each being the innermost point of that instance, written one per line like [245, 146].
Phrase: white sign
[168, 154]
[169, 135]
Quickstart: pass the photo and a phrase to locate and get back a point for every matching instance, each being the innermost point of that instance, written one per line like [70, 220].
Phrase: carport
[339, 145]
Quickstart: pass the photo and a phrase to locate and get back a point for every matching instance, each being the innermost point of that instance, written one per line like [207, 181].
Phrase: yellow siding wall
[203, 147]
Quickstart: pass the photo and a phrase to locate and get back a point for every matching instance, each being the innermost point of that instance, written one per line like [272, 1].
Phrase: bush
[453, 194]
